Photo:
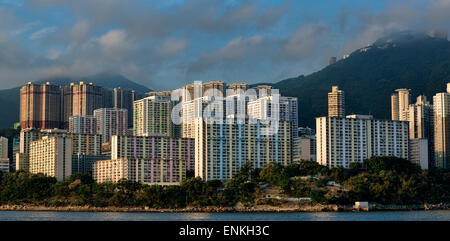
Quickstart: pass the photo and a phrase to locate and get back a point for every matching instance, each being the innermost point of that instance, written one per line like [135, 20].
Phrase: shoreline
[255, 209]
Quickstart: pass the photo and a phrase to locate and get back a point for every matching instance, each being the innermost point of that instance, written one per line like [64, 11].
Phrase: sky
[167, 44]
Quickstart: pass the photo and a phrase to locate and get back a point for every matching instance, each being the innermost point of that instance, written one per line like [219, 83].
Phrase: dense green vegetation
[385, 180]
[80, 189]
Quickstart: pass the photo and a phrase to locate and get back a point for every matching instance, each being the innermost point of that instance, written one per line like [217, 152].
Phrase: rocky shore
[210, 209]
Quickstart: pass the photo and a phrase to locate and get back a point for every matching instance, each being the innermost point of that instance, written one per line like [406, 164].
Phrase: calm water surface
[435, 215]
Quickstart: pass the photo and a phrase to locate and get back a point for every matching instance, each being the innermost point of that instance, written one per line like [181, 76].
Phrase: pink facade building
[151, 159]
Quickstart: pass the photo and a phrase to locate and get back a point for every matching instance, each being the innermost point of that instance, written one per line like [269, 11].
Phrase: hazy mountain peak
[106, 80]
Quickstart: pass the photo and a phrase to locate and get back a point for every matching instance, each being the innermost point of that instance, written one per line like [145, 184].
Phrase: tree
[305, 168]
[339, 174]
[318, 196]
[273, 173]
[400, 165]
[25, 187]
[194, 188]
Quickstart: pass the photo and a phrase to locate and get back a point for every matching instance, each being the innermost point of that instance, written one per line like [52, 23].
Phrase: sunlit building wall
[51, 156]
[342, 141]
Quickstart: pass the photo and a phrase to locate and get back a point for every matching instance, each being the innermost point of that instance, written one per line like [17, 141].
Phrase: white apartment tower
[152, 116]
[4, 160]
[287, 109]
[51, 156]
[342, 141]
[158, 160]
[221, 149]
[83, 124]
[441, 107]
[111, 121]
[420, 117]
[400, 104]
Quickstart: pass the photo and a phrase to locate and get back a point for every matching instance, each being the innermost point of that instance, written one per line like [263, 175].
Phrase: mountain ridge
[369, 75]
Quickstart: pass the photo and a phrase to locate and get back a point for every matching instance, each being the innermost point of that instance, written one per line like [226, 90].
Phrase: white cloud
[198, 38]
[43, 32]
[54, 54]
[24, 28]
[171, 47]
[80, 30]
[238, 47]
[235, 50]
[304, 40]
[113, 39]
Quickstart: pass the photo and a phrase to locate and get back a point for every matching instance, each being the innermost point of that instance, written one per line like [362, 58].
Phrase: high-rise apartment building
[400, 104]
[420, 117]
[152, 116]
[229, 126]
[394, 107]
[342, 141]
[207, 105]
[159, 93]
[85, 148]
[15, 150]
[85, 144]
[441, 107]
[418, 152]
[264, 108]
[154, 147]
[199, 89]
[83, 98]
[4, 165]
[51, 156]
[147, 159]
[83, 124]
[123, 99]
[237, 87]
[3, 147]
[221, 149]
[289, 111]
[111, 121]
[26, 137]
[82, 143]
[304, 148]
[113, 170]
[40, 106]
[4, 160]
[263, 90]
[213, 88]
[336, 102]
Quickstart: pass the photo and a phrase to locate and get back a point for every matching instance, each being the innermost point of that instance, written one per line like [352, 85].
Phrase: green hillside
[370, 75]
